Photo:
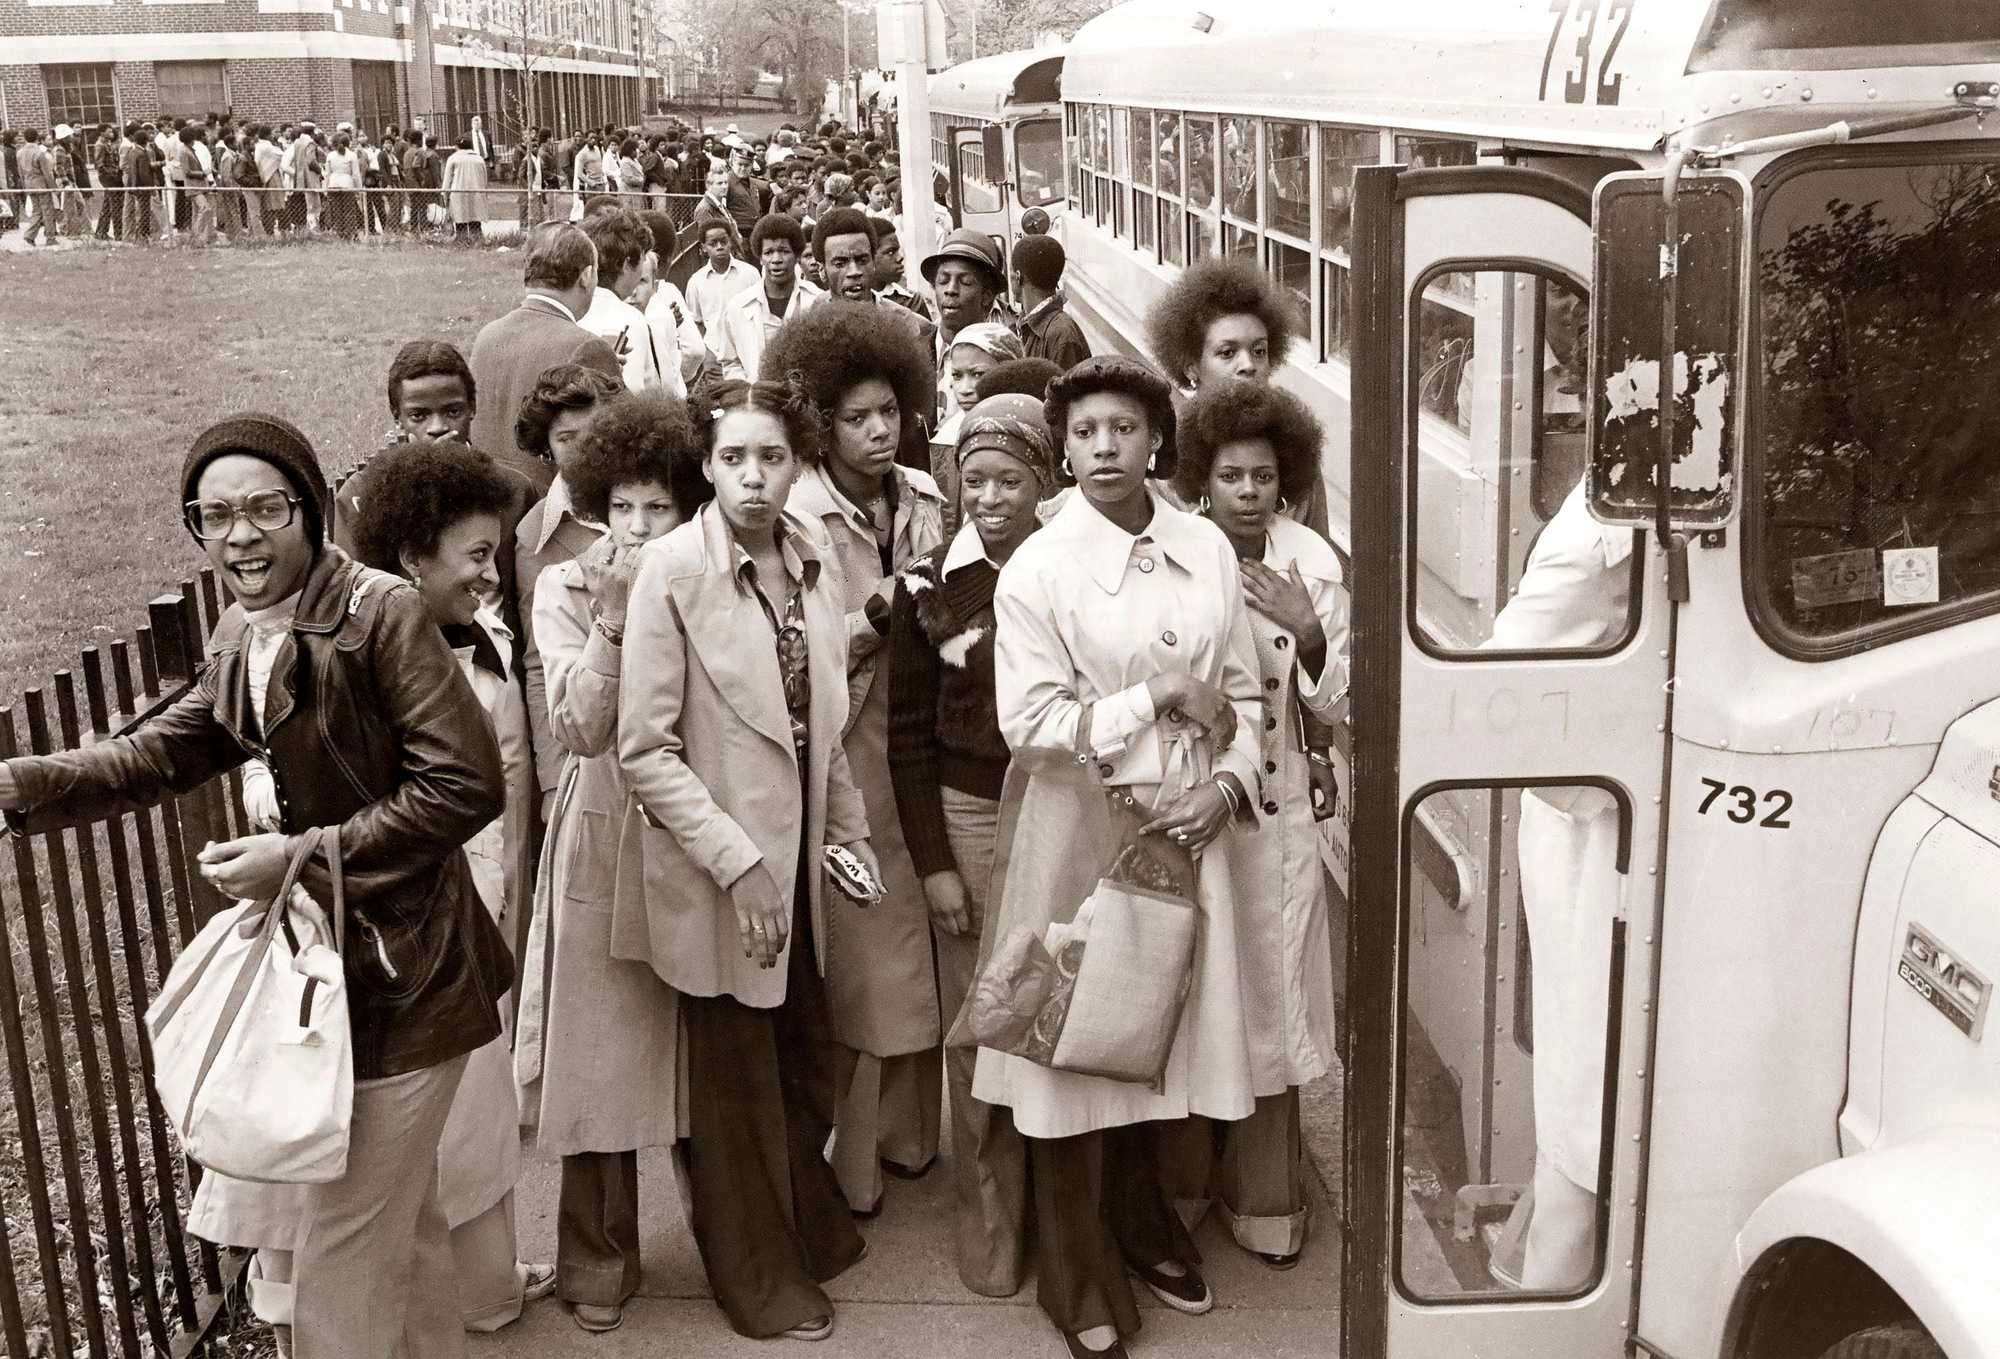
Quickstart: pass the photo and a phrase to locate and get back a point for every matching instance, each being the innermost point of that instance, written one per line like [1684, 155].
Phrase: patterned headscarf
[1012, 424]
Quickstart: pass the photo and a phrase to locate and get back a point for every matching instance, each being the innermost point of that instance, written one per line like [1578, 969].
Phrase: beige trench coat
[705, 743]
[1087, 614]
[1281, 903]
[597, 1059]
[879, 977]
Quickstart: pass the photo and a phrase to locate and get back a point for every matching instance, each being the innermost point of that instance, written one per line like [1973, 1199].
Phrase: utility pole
[903, 27]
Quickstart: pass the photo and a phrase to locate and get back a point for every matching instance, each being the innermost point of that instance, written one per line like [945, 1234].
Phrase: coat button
[1271, 684]
[1106, 770]
[1146, 564]
[1283, 642]
[1270, 809]
[1270, 724]
[1169, 638]
[1270, 766]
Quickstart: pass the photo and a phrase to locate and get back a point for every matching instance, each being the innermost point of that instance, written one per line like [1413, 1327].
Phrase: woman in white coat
[597, 1058]
[1249, 451]
[1122, 631]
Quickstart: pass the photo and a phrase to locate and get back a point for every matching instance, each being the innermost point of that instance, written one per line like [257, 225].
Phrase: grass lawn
[113, 359]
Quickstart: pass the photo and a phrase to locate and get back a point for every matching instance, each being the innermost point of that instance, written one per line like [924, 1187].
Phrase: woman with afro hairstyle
[435, 515]
[1227, 319]
[872, 383]
[1248, 452]
[730, 713]
[598, 1048]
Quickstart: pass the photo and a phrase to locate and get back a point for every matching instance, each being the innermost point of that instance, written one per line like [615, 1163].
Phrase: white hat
[63, 130]
[731, 129]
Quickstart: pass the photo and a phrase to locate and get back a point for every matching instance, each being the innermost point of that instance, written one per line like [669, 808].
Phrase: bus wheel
[1902, 1340]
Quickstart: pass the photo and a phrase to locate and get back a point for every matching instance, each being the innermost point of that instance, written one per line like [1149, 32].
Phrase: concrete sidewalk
[904, 1301]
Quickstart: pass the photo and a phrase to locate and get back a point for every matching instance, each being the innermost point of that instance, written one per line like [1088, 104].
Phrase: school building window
[192, 89]
[81, 95]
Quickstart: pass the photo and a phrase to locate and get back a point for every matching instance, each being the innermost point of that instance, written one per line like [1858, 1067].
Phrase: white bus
[996, 140]
[1778, 753]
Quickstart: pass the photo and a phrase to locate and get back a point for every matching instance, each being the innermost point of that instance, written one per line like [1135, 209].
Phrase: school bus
[996, 140]
[1658, 343]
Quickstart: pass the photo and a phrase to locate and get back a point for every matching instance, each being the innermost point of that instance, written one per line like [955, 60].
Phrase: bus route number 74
[1608, 19]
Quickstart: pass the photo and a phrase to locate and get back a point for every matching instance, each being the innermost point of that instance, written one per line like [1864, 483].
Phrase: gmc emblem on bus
[1954, 990]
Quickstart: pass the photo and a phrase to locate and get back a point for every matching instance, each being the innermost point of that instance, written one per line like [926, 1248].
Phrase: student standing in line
[948, 762]
[879, 514]
[597, 1057]
[1122, 632]
[730, 711]
[1248, 452]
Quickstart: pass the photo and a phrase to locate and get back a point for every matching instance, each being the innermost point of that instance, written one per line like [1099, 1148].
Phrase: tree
[1011, 25]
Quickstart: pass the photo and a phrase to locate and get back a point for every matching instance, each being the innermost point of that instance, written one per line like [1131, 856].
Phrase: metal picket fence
[161, 216]
[93, 1256]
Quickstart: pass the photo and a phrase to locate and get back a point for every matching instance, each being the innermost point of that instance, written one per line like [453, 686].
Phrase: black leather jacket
[371, 727]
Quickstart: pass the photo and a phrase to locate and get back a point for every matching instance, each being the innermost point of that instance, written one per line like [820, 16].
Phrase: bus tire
[1899, 1340]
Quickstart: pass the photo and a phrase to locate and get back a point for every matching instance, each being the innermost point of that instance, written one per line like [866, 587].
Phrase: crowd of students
[204, 179]
[650, 600]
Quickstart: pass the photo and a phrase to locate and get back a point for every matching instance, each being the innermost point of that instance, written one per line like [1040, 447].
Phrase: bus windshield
[1038, 154]
[1879, 301]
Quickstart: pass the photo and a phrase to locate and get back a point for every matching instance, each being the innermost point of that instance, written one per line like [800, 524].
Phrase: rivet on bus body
[1872, 92]
[1767, 91]
[1722, 742]
[1805, 95]
[1659, 726]
[1645, 1007]
[1736, 98]
[1517, 405]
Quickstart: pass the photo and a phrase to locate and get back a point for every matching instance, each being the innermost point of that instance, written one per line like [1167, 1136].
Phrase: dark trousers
[597, 1228]
[183, 208]
[766, 1211]
[110, 217]
[1098, 1204]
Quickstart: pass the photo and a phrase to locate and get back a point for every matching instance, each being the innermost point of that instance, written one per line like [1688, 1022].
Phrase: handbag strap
[253, 962]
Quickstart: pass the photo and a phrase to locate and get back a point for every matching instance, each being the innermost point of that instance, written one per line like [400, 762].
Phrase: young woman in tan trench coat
[596, 1056]
[734, 696]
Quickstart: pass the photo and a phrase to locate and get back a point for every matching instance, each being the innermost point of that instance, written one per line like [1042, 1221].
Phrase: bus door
[1511, 658]
[978, 199]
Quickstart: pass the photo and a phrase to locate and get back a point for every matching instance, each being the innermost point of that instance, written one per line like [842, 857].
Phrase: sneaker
[819, 1328]
[537, 1281]
[597, 1318]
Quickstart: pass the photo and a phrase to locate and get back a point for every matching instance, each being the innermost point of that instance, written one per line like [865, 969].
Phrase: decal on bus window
[1743, 803]
[1909, 576]
[1835, 578]
[1599, 26]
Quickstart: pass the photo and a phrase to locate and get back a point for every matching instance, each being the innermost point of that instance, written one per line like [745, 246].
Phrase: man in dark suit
[511, 352]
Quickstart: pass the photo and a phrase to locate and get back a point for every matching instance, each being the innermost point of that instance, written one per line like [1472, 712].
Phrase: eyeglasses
[267, 511]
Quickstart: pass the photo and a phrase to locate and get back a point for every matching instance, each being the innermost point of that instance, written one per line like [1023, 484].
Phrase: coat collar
[818, 497]
[1105, 551]
[726, 627]
[556, 506]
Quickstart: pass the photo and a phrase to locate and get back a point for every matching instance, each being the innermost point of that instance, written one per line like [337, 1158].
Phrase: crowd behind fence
[157, 215]
[99, 1263]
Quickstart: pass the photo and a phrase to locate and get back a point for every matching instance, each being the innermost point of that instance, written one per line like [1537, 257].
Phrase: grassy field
[113, 359]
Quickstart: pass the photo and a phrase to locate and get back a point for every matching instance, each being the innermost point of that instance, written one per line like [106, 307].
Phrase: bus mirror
[1629, 332]
[993, 147]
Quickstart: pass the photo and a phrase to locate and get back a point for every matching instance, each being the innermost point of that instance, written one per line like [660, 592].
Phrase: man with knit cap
[339, 680]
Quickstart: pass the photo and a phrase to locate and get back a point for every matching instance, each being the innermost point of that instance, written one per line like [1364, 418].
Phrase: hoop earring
[1283, 505]
[1201, 506]
[1152, 461]
[1067, 470]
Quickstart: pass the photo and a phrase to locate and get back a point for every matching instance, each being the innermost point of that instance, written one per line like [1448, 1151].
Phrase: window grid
[81, 95]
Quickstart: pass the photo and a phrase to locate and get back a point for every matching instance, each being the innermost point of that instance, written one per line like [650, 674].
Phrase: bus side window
[1497, 365]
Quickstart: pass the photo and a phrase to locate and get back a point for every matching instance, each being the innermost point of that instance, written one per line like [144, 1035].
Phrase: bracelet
[1228, 795]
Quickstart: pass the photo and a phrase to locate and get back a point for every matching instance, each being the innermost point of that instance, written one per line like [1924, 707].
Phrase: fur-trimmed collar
[956, 613]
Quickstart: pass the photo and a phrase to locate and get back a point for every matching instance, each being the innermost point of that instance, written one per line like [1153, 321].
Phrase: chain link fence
[175, 215]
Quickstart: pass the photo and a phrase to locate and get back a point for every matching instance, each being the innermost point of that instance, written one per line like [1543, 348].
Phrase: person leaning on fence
[420, 775]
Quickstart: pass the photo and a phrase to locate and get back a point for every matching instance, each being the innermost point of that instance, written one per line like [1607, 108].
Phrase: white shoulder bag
[253, 1057]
